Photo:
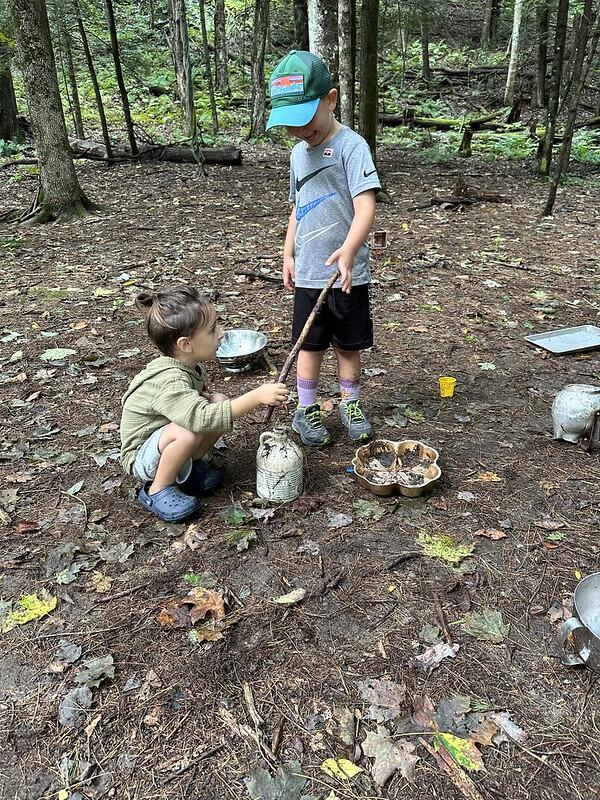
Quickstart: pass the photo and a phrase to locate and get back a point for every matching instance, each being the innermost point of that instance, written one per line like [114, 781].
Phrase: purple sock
[350, 390]
[307, 392]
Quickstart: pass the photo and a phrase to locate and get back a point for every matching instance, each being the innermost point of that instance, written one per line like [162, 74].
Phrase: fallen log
[88, 148]
[463, 195]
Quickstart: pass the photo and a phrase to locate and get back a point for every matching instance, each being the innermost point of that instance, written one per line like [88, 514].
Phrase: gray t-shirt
[323, 182]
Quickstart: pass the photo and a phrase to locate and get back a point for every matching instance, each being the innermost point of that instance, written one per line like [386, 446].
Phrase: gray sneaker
[353, 418]
[308, 424]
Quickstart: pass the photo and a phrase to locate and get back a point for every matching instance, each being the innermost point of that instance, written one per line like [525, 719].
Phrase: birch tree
[511, 78]
[322, 32]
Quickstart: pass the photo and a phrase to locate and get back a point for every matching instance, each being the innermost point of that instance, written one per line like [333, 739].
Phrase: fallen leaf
[433, 656]
[27, 527]
[509, 731]
[463, 751]
[290, 598]
[337, 520]
[196, 606]
[234, 515]
[369, 510]
[307, 504]
[429, 634]
[205, 580]
[487, 626]
[118, 553]
[68, 651]
[28, 608]
[468, 497]
[442, 545]
[152, 718]
[99, 582]
[549, 525]
[386, 697]
[486, 365]
[240, 538]
[288, 783]
[340, 768]
[487, 477]
[389, 756]
[57, 353]
[95, 671]
[345, 724]
[194, 536]
[441, 503]
[490, 533]
[72, 711]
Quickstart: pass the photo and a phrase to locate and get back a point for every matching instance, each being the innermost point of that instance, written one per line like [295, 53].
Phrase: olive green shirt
[168, 391]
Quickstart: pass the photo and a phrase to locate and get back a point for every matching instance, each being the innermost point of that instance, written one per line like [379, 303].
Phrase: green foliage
[10, 148]
[586, 147]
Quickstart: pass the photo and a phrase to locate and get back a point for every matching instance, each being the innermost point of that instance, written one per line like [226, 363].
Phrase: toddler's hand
[289, 273]
[345, 264]
[273, 394]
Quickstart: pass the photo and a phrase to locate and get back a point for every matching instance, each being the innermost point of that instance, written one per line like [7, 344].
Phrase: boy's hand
[289, 273]
[345, 264]
[273, 394]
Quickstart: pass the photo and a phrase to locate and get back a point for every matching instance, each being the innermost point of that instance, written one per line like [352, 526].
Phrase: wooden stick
[304, 333]
[460, 779]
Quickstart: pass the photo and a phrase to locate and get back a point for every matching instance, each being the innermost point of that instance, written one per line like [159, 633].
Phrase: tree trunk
[368, 74]
[425, 66]
[114, 46]
[66, 45]
[208, 70]
[300, 25]
[9, 129]
[345, 24]
[322, 32]
[60, 195]
[543, 15]
[94, 79]
[490, 22]
[258, 113]
[220, 37]
[179, 41]
[509, 92]
[545, 149]
[581, 66]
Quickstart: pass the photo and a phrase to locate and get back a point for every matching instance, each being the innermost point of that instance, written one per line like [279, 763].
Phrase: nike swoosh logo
[306, 178]
[302, 211]
[303, 238]
[366, 174]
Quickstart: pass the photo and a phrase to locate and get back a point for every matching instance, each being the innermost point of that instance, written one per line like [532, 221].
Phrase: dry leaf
[389, 756]
[152, 718]
[487, 477]
[386, 698]
[290, 598]
[549, 524]
[197, 605]
[433, 656]
[509, 731]
[99, 582]
[490, 533]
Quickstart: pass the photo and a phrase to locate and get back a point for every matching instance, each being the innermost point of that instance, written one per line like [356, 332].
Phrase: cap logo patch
[287, 85]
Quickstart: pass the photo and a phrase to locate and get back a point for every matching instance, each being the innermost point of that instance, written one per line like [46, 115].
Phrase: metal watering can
[584, 626]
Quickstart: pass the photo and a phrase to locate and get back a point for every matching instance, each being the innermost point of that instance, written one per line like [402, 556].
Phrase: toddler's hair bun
[144, 300]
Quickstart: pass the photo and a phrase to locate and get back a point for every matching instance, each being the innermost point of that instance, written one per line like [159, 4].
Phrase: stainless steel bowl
[240, 349]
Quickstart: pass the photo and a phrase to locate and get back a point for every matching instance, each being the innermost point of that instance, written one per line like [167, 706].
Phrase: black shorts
[343, 321]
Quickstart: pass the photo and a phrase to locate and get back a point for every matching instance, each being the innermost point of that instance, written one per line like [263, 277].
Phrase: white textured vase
[573, 411]
[279, 467]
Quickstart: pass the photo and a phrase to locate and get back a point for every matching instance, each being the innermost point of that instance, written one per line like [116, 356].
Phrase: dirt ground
[454, 293]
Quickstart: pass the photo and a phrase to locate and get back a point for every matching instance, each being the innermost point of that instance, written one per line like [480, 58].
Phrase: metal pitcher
[584, 625]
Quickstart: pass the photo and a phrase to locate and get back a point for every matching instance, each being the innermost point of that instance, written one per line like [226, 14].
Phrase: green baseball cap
[297, 84]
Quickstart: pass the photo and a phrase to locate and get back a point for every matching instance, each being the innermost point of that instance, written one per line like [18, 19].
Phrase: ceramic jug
[279, 467]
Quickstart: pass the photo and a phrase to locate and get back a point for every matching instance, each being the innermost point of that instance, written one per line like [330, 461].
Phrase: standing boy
[332, 189]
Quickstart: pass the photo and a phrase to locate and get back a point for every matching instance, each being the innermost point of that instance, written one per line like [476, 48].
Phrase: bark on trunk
[425, 65]
[220, 36]
[65, 39]
[9, 129]
[114, 46]
[300, 25]
[322, 32]
[511, 78]
[261, 21]
[179, 41]
[490, 22]
[346, 22]
[208, 70]
[545, 149]
[581, 66]
[60, 193]
[543, 15]
[94, 79]
[368, 74]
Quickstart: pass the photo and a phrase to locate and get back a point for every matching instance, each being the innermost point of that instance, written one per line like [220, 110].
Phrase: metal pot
[584, 626]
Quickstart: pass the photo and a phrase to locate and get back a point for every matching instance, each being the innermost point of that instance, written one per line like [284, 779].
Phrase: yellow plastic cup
[447, 385]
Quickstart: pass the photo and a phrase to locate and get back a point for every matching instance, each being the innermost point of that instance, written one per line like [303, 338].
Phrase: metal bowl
[240, 349]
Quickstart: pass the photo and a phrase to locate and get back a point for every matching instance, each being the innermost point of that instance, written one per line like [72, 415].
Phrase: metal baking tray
[568, 340]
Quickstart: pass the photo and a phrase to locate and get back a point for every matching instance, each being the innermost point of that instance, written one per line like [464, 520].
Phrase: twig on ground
[442, 618]
[461, 780]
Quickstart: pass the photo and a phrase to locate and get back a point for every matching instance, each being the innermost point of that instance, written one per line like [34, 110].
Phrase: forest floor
[175, 716]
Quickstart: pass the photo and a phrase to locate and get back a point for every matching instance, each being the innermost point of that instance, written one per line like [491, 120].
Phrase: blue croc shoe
[170, 504]
[203, 479]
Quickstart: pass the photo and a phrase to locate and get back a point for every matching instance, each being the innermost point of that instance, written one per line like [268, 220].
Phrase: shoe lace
[354, 412]
[313, 417]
